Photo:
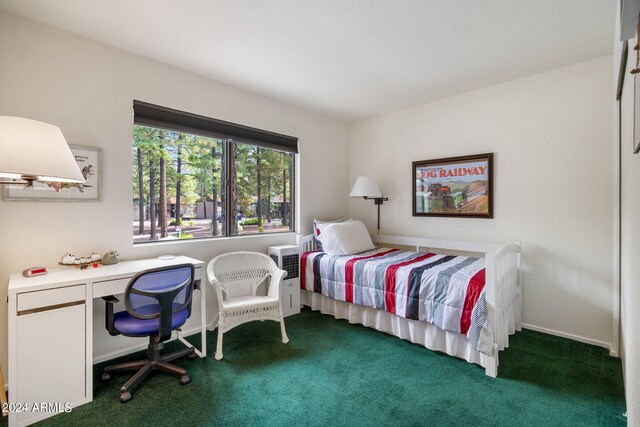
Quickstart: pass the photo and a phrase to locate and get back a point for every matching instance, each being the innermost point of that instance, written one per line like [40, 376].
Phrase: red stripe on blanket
[390, 281]
[348, 272]
[303, 268]
[476, 284]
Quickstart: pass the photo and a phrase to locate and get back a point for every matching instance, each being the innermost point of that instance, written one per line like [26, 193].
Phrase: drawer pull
[49, 307]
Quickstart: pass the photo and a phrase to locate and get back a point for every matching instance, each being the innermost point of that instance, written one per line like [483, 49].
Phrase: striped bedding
[444, 290]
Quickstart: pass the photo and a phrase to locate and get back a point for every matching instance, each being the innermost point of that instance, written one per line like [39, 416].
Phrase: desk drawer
[52, 298]
[110, 287]
[117, 286]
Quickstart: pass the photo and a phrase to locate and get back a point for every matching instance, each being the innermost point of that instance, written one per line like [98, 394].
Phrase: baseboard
[138, 347]
[569, 336]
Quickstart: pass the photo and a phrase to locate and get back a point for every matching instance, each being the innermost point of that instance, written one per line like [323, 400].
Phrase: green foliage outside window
[179, 186]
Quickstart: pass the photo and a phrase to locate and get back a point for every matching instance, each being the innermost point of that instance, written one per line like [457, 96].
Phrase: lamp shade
[365, 186]
[33, 150]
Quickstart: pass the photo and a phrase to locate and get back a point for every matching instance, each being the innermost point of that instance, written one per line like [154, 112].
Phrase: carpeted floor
[334, 373]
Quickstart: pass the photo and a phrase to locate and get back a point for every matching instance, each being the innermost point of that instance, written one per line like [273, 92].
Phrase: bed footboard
[503, 296]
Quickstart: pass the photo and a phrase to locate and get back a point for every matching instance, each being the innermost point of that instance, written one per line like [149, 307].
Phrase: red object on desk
[34, 271]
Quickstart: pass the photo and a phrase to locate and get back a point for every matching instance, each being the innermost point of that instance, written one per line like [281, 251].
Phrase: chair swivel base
[154, 362]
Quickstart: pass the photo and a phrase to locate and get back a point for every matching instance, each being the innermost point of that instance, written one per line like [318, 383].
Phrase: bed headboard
[307, 243]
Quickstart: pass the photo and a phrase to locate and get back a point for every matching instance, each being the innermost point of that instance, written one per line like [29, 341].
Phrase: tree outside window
[188, 186]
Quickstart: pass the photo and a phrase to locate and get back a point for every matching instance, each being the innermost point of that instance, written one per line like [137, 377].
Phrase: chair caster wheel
[184, 379]
[192, 355]
[125, 397]
[106, 376]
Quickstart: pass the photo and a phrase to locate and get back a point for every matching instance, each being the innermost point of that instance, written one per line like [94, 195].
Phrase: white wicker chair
[248, 288]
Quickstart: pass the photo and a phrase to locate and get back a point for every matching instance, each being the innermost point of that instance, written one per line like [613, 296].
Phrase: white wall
[551, 134]
[87, 89]
[630, 245]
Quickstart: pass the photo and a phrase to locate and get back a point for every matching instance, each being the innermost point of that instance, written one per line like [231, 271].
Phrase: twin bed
[460, 298]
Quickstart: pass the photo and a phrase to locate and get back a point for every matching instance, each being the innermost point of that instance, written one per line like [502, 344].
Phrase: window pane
[263, 189]
[189, 186]
[177, 185]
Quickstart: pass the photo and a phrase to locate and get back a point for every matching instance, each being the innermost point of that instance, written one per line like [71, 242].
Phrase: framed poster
[89, 161]
[454, 187]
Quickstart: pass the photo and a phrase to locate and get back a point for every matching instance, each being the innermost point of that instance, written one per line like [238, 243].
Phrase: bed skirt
[431, 337]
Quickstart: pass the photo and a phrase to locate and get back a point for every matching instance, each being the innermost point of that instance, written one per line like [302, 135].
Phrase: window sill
[210, 240]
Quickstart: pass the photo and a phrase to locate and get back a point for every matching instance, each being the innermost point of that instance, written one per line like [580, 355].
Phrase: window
[196, 177]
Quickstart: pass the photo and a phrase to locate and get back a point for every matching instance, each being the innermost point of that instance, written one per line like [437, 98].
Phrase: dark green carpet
[334, 373]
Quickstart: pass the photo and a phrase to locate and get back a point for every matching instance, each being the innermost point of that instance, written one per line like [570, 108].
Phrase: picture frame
[89, 161]
[636, 114]
[453, 187]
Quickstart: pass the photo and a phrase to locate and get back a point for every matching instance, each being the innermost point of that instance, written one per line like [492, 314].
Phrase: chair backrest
[241, 273]
[159, 293]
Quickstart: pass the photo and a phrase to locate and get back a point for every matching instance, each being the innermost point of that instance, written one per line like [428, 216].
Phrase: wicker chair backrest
[243, 273]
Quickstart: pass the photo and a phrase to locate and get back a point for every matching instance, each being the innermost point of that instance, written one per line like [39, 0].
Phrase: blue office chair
[158, 301]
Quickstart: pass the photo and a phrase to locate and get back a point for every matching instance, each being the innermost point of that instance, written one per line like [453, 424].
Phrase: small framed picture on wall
[89, 160]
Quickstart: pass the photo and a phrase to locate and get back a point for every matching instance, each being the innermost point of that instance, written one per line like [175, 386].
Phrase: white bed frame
[503, 297]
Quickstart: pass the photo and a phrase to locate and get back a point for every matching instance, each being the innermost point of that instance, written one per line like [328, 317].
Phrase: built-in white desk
[51, 333]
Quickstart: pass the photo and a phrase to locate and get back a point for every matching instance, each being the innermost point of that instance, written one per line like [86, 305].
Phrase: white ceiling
[345, 58]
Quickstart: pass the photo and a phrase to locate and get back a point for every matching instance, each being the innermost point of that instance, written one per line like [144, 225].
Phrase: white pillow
[345, 238]
[319, 225]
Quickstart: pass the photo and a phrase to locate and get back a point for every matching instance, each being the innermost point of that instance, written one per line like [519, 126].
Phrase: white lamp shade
[35, 150]
[365, 186]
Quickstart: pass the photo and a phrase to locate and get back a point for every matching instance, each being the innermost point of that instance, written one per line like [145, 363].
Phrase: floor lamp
[366, 188]
[33, 151]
